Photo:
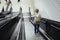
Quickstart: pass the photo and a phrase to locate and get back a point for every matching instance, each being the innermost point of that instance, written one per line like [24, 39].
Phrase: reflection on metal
[55, 27]
[18, 0]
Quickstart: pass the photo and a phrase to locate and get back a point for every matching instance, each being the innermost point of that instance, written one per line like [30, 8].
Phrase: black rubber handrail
[6, 23]
[55, 27]
[7, 19]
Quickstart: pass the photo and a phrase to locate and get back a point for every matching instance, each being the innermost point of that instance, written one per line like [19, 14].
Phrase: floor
[29, 31]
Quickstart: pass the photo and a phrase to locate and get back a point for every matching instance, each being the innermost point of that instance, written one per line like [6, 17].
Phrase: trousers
[36, 28]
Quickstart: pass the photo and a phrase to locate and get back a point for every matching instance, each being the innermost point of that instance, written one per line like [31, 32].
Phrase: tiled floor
[29, 31]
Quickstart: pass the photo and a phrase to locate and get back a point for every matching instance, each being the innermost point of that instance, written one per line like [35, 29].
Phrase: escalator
[8, 25]
[7, 29]
[19, 32]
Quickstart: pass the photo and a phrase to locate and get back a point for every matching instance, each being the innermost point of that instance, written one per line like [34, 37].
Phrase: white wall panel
[50, 9]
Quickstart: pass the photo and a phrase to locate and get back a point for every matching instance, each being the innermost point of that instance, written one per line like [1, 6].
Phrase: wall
[1, 5]
[25, 4]
[49, 9]
[15, 5]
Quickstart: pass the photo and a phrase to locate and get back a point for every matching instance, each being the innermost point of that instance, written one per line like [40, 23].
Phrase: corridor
[17, 18]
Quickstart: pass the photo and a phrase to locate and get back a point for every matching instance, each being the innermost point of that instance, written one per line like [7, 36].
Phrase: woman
[37, 20]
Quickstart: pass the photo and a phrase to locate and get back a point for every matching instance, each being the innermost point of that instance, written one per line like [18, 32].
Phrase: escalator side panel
[6, 31]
